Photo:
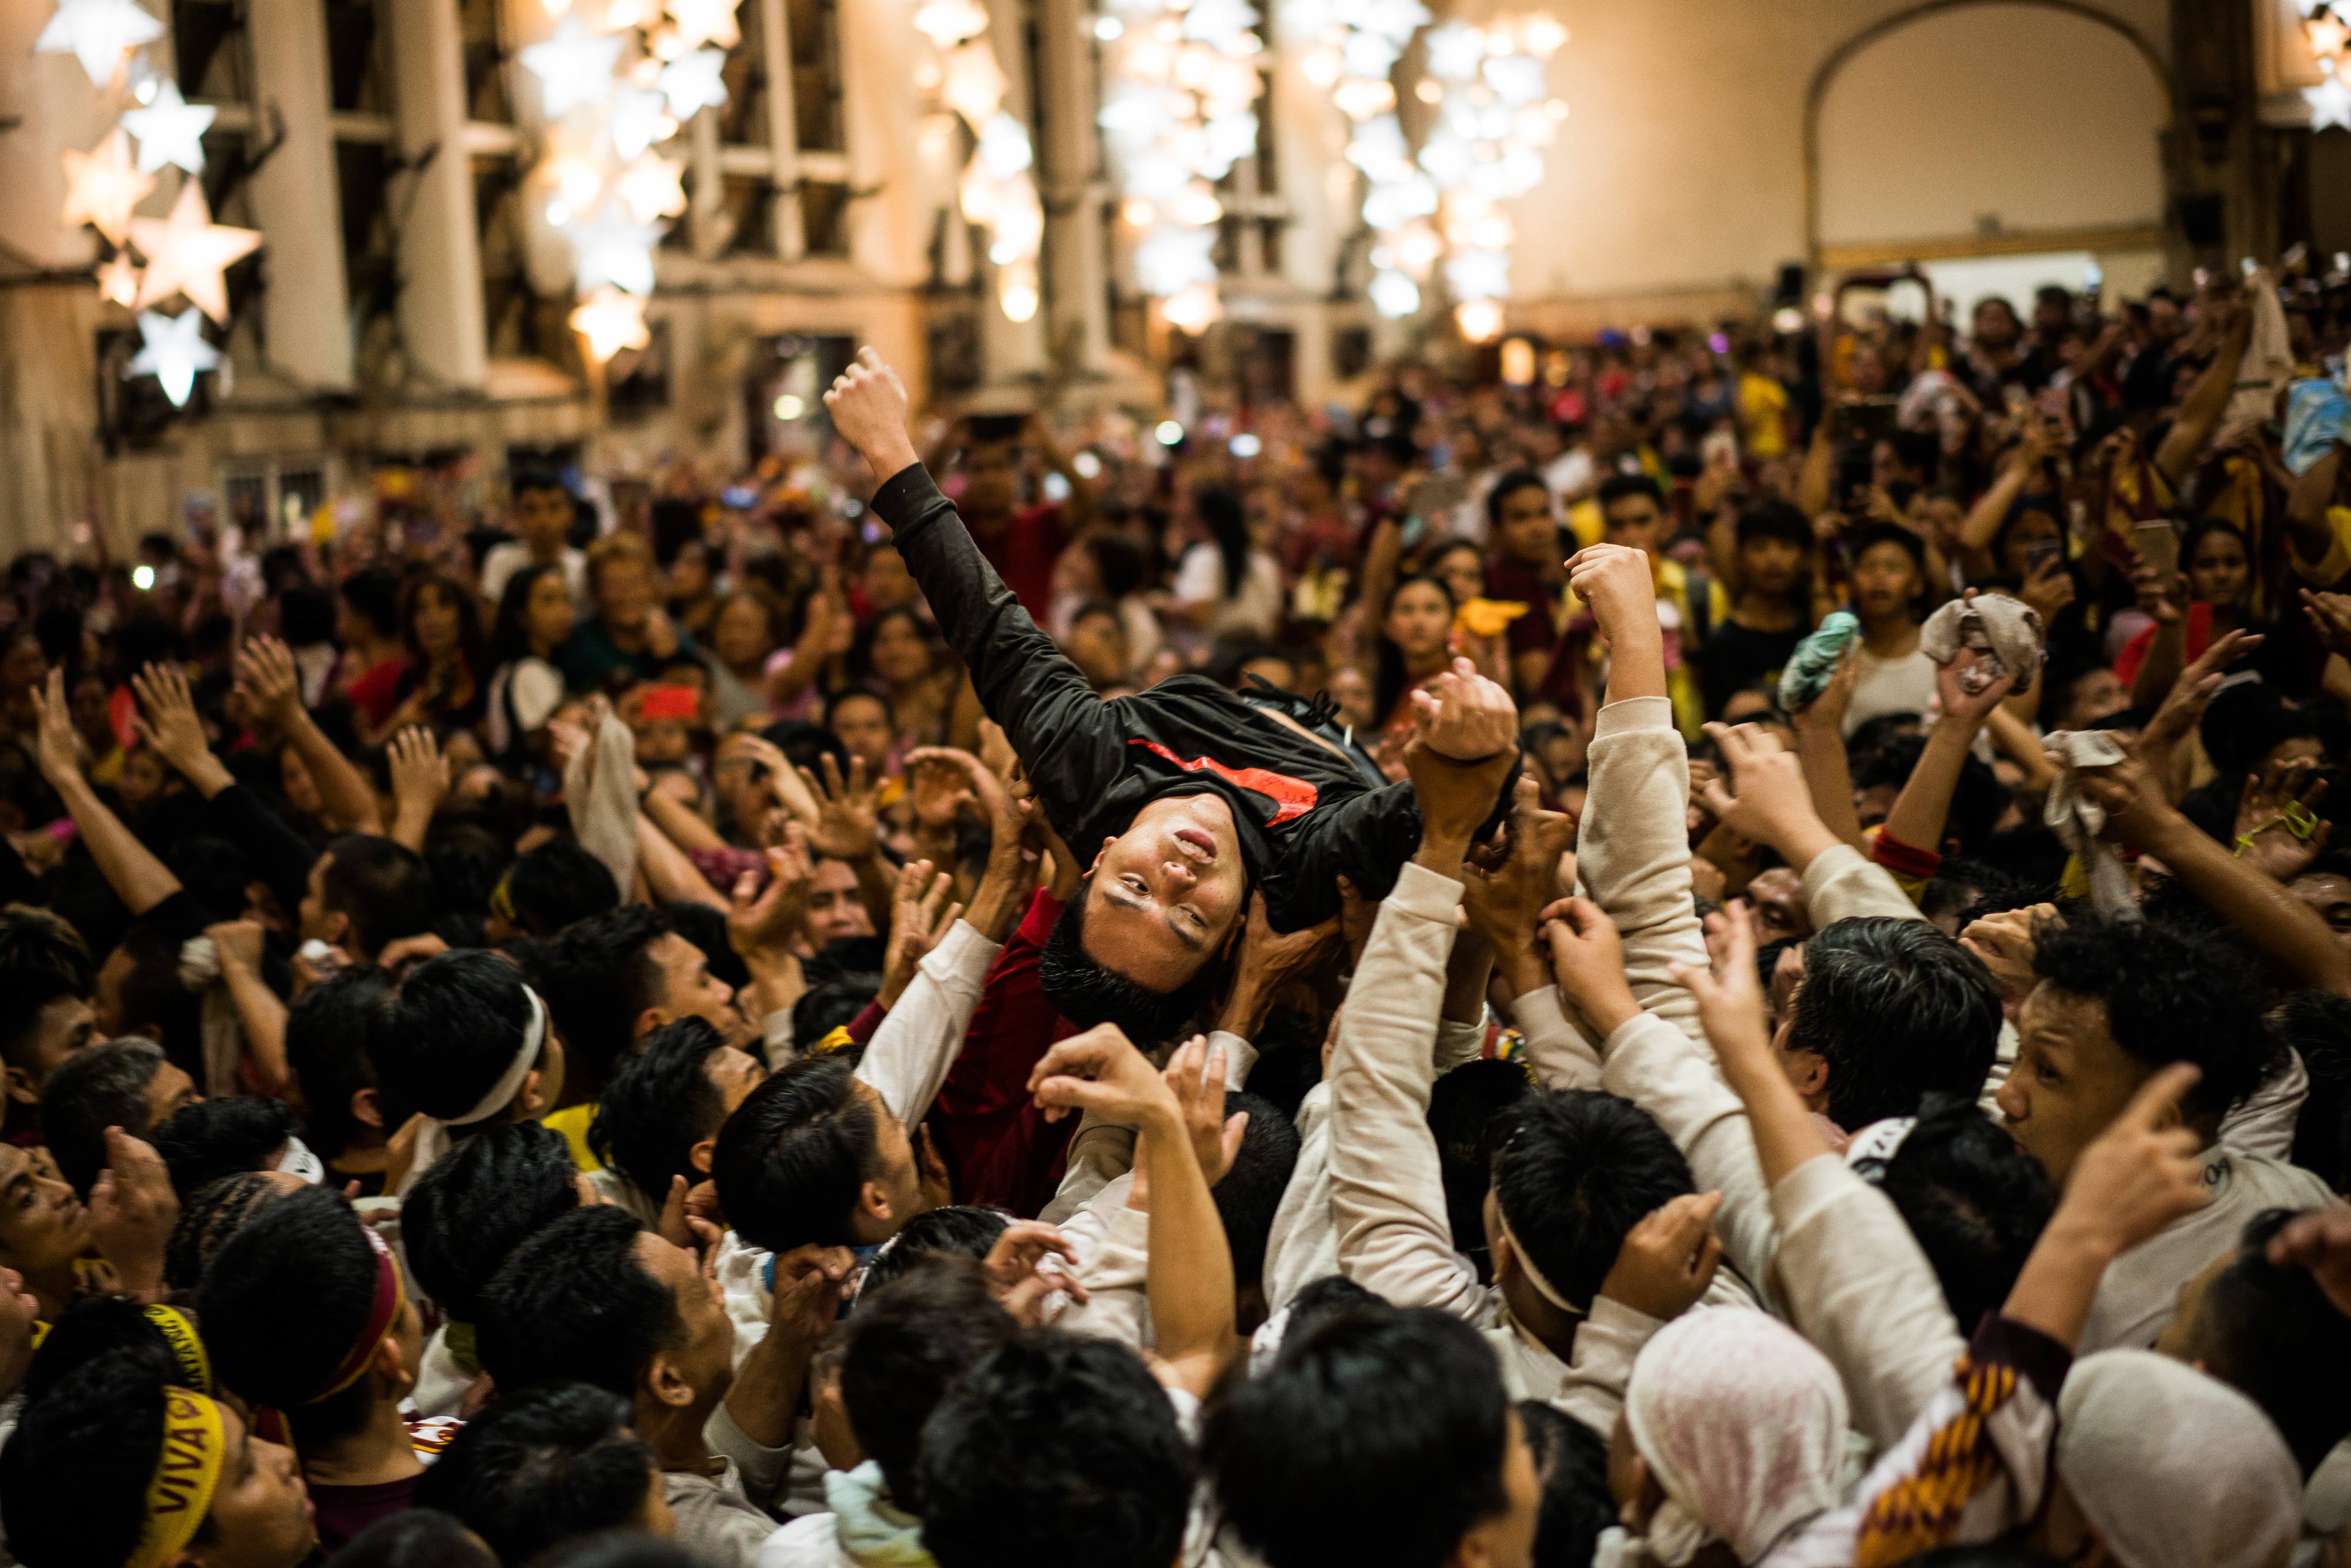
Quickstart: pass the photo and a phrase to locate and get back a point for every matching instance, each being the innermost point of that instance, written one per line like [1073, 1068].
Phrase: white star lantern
[610, 321]
[117, 280]
[652, 187]
[2330, 103]
[170, 131]
[692, 82]
[101, 187]
[574, 66]
[614, 249]
[173, 350]
[98, 33]
[187, 252]
[640, 118]
[703, 22]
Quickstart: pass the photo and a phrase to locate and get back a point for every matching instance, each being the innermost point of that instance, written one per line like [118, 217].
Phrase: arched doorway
[2003, 144]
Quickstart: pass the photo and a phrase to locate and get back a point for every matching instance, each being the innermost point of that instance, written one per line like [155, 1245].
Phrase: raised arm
[1924, 806]
[1067, 736]
[1819, 746]
[2306, 504]
[2200, 411]
[138, 878]
[1771, 806]
[266, 669]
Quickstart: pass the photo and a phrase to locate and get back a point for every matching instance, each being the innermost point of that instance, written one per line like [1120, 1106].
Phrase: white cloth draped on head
[2178, 1470]
[1743, 1424]
[432, 1131]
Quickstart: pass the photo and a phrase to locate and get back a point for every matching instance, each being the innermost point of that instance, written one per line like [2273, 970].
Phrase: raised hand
[849, 814]
[868, 404]
[132, 1209]
[920, 919]
[2276, 830]
[1765, 798]
[57, 749]
[1730, 996]
[2330, 617]
[2143, 1172]
[764, 922]
[170, 723]
[1587, 957]
[266, 669]
[1463, 747]
[1017, 1271]
[1505, 901]
[1101, 1070]
[1195, 1074]
[1615, 580]
[1665, 1262]
[2319, 1241]
[2005, 942]
[420, 774]
[1270, 960]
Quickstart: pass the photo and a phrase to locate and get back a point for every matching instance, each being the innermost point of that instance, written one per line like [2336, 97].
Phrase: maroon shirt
[344, 1512]
[1023, 555]
[1517, 583]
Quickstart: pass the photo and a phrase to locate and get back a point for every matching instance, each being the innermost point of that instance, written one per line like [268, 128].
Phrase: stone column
[306, 309]
[441, 315]
[1010, 351]
[1076, 271]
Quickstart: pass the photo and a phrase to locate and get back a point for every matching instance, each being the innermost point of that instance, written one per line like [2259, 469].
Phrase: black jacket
[1304, 814]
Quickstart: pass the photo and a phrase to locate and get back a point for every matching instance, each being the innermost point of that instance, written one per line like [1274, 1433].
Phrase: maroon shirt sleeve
[1002, 1149]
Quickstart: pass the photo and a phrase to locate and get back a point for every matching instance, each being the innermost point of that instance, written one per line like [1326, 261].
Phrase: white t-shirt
[1255, 608]
[504, 561]
[1881, 687]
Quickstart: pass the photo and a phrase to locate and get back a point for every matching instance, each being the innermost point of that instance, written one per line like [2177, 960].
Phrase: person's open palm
[849, 813]
[169, 722]
[57, 747]
[266, 669]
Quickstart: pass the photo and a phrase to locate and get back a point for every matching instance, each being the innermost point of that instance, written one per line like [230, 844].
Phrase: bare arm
[2199, 413]
[259, 1014]
[1819, 746]
[2305, 507]
[136, 877]
[671, 877]
[1925, 804]
[266, 669]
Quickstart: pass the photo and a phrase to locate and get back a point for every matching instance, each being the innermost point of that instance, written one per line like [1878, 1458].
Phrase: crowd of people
[1730, 955]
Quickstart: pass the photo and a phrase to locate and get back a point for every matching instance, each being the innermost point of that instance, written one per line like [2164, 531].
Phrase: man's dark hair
[1087, 992]
[30, 992]
[416, 1538]
[658, 1104]
[1623, 485]
[381, 886]
[1977, 797]
[98, 1087]
[215, 1138]
[284, 1301]
[792, 1159]
[539, 1467]
[327, 1031]
[707, 928]
[600, 978]
[1471, 1116]
[1248, 1195]
[573, 1305]
[1509, 484]
[1571, 1463]
[1580, 1169]
[152, 995]
[1057, 1447]
[2169, 996]
[834, 1004]
[477, 1203]
[1974, 1201]
[906, 1346]
[1968, 889]
[32, 937]
[960, 1229]
[1774, 520]
[98, 1328]
[556, 884]
[622, 1549]
[74, 1477]
[451, 1035]
[1374, 1438]
[2316, 1024]
[1896, 1009]
[2271, 1332]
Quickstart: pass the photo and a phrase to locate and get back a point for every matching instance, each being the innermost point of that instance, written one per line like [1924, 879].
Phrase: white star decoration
[173, 350]
[187, 252]
[117, 280]
[640, 118]
[707, 22]
[101, 187]
[693, 83]
[574, 66]
[610, 321]
[615, 250]
[170, 131]
[652, 187]
[97, 33]
[2330, 103]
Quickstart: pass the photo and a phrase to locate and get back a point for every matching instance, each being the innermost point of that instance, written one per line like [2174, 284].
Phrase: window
[485, 77]
[814, 29]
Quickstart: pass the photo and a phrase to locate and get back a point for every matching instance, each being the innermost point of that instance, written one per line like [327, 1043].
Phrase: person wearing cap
[309, 1321]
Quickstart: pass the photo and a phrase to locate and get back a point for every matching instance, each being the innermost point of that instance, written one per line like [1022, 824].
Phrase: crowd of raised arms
[1731, 955]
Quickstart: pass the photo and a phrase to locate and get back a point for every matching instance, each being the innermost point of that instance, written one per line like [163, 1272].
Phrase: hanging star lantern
[173, 350]
[653, 188]
[691, 83]
[98, 33]
[2330, 103]
[703, 22]
[640, 118]
[101, 187]
[610, 321]
[117, 280]
[574, 66]
[613, 249]
[170, 131]
[2326, 33]
[187, 252]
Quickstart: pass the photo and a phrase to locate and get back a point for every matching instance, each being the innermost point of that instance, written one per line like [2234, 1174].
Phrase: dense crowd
[1729, 955]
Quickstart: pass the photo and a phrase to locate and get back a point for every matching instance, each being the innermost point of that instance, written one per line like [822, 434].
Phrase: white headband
[509, 1083]
[1879, 1142]
[1543, 1287]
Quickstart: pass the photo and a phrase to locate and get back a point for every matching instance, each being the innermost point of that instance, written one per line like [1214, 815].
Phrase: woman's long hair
[510, 636]
[1390, 680]
[1220, 511]
[471, 647]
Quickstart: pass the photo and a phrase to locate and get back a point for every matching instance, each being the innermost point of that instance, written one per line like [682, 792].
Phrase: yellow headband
[188, 1350]
[186, 1473]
